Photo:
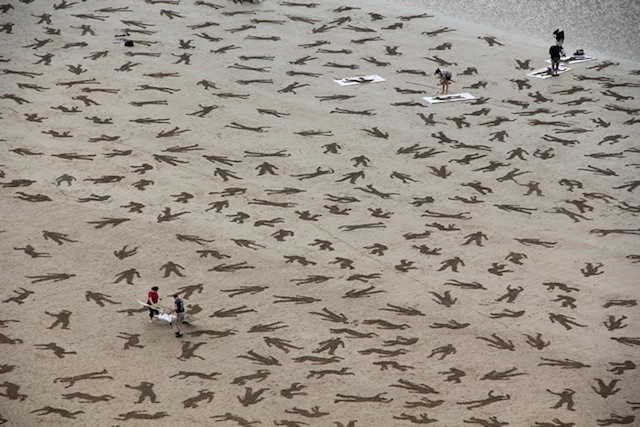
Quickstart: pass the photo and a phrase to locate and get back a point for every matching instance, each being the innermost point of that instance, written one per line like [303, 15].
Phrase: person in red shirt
[152, 299]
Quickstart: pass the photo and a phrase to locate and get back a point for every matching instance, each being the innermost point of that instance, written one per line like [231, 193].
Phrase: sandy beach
[349, 255]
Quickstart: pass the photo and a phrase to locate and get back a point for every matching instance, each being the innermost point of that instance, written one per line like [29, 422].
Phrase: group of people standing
[153, 298]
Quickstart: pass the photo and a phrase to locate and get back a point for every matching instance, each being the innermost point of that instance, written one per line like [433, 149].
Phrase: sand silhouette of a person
[266, 167]
[171, 267]
[166, 214]
[617, 419]
[459, 121]
[476, 185]
[203, 395]
[57, 350]
[62, 318]
[618, 368]
[189, 290]
[498, 269]
[581, 205]
[133, 340]
[90, 376]
[203, 111]
[299, 259]
[533, 187]
[184, 58]
[518, 152]
[65, 178]
[425, 250]
[200, 375]
[612, 323]
[146, 392]
[134, 207]
[251, 397]
[59, 238]
[606, 389]
[11, 391]
[88, 398]
[591, 269]
[491, 40]
[443, 351]
[296, 390]
[189, 349]
[352, 177]
[323, 245]
[574, 216]
[332, 148]
[378, 398]
[125, 253]
[46, 410]
[44, 59]
[451, 263]
[454, 375]
[515, 257]
[566, 398]
[99, 298]
[127, 275]
[491, 422]
[544, 154]
[491, 398]
[567, 321]
[53, 277]
[566, 301]
[500, 136]
[343, 263]
[45, 18]
[511, 295]
[476, 238]
[30, 250]
[259, 376]
[337, 210]
[250, 244]
[330, 346]
[239, 217]
[141, 415]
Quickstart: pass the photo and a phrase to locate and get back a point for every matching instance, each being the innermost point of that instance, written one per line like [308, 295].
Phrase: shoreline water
[606, 29]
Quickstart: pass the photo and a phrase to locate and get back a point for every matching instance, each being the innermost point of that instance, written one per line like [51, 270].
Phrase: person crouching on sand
[445, 78]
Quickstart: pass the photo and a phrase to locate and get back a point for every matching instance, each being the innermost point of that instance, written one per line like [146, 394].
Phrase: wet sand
[349, 256]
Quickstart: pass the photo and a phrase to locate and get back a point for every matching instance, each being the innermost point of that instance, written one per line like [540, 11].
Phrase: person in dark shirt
[445, 77]
[152, 299]
[559, 34]
[556, 52]
[178, 308]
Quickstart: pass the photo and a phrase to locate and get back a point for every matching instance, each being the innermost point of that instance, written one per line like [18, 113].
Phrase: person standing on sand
[445, 78]
[178, 308]
[152, 299]
[556, 52]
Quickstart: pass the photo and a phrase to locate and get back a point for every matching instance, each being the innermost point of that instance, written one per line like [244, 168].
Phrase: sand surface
[349, 256]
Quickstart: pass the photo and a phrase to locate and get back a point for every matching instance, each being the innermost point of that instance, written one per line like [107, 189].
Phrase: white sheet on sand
[545, 73]
[449, 98]
[162, 315]
[166, 317]
[349, 81]
[574, 59]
